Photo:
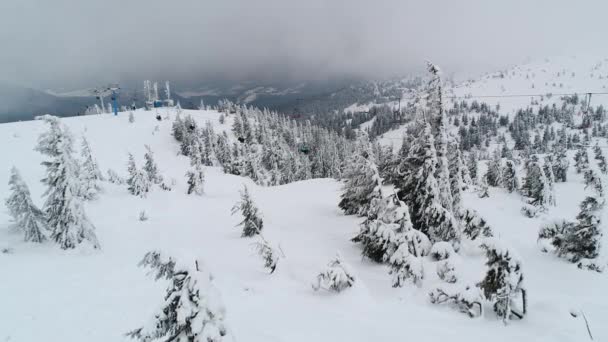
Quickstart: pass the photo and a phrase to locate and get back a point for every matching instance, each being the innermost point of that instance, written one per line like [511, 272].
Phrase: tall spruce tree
[536, 186]
[138, 182]
[363, 183]
[63, 207]
[252, 223]
[509, 176]
[27, 217]
[90, 174]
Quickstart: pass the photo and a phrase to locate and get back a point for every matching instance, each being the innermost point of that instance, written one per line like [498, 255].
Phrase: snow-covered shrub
[268, 253]
[467, 301]
[594, 181]
[591, 265]
[114, 178]
[378, 239]
[474, 225]
[252, 220]
[143, 216]
[503, 282]
[191, 310]
[417, 242]
[151, 168]
[447, 271]
[27, 217]
[404, 266]
[131, 117]
[441, 250]
[530, 211]
[336, 277]
[574, 241]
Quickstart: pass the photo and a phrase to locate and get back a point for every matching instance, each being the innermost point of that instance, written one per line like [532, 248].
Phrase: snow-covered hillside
[49, 294]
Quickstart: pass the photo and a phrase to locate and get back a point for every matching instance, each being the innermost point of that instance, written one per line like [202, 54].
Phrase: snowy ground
[47, 294]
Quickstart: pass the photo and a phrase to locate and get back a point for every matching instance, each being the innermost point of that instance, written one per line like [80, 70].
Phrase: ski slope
[48, 294]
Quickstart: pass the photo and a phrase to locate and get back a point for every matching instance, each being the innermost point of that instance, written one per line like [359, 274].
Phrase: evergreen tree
[420, 192]
[252, 221]
[63, 208]
[601, 160]
[363, 183]
[537, 187]
[593, 180]
[195, 176]
[336, 277]
[503, 283]
[509, 176]
[472, 166]
[90, 174]
[131, 117]
[582, 240]
[560, 164]
[26, 216]
[191, 310]
[581, 160]
[150, 167]
[493, 175]
[268, 253]
[457, 171]
[138, 181]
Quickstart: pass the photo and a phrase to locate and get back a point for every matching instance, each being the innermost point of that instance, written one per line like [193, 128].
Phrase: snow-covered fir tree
[90, 174]
[493, 175]
[593, 180]
[472, 166]
[405, 266]
[191, 309]
[150, 167]
[63, 208]
[27, 218]
[336, 277]
[379, 233]
[536, 186]
[503, 282]
[509, 176]
[601, 160]
[420, 191]
[459, 174]
[437, 115]
[195, 176]
[363, 183]
[138, 182]
[581, 160]
[560, 164]
[131, 117]
[252, 223]
[575, 241]
[269, 254]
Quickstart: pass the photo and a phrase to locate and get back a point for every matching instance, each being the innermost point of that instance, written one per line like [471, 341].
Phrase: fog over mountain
[68, 43]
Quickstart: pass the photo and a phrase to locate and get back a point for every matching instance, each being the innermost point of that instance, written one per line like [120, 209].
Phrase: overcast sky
[57, 42]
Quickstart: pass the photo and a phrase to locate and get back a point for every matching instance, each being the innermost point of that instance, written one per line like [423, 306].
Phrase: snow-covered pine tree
[379, 233]
[457, 171]
[420, 192]
[363, 183]
[63, 208]
[437, 116]
[503, 282]
[405, 265]
[90, 174]
[27, 217]
[537, 187]
[472, 166]
[268, 253]
[138, 181]
[196, 175]
[509, 176]
[560, 164]
[582, 239]
[114, 178]
[601, 160]
[581, 159]
[131, 117]
[336, 277]
[594, 181]
[252, 223]
[151, 168]
[493, 175]
[191, 311]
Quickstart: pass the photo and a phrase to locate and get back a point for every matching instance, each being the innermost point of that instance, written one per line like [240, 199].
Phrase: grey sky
[54, 42]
